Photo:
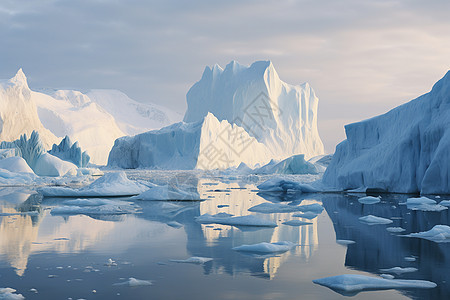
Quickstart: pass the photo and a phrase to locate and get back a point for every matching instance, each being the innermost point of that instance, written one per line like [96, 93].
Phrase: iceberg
[352, 284]
[438, 234]
[207, 144]
[19, 111]
[49, 165]
[278, 247]
[295, 164]
[405, 150]
[112, 184]
[29, 149]
[15, 164]
[70, 152]
[248, 220]
[279, 115]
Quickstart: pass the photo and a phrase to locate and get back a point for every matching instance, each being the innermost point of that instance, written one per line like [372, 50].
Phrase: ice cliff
[406, 150]
[279, 115]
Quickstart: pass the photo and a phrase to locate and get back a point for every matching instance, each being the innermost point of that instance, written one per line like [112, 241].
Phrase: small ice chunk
[281, 184]
[306, 215]
[175, 224]
[399, 270]
[409, 258]
[438, 234]
[52, 276]
[424, 204]
[296, 223]
[352, 284]
[110, 263]
[32, 290]
[345, 242]
[198, 260]
[135, 282]
[420, 200]
[387, 276]
[374, 220]
[369, 200]
[248, 220]
[395, 229]
[169, 192]
[264, 247]
[445, 203]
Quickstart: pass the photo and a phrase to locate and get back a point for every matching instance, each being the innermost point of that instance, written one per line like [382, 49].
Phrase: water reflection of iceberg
[376, 248]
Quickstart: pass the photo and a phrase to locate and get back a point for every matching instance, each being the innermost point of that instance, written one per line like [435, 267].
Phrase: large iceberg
[237, 115]
[207, 144]
[18, 112]
[406, 150]
[281, 116]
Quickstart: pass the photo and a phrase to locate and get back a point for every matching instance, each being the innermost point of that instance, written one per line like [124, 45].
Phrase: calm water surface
[64, 256]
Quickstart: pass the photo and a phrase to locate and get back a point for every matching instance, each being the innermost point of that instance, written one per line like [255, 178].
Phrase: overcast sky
[361, 57]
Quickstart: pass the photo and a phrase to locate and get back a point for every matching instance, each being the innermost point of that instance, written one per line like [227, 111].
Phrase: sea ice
[198, 260]
[351, 284]
[424, 204]
[345, 242]
[113, 208]
[395, 229]
[269, 208]
[134, 282]
[438, 234]
[264, 247]
[445, 203]
[306, 215]
[281, 184]
[369, 200]
[248, 220]
[109, 185]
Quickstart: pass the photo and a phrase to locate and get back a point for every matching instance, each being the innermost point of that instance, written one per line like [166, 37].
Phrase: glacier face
[406, 150]
[18, 113]
[279, 115]
[206, 144]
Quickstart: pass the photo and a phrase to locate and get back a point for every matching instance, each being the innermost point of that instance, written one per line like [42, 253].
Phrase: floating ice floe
[269, 208]
[175, 224]
[295, 164]
[281, 184]
[369, 200]
[264, 247]
[248, 220]
[424, 204]
[306, 215]
[399, 270]
[395, 229]
[10, 294]
[197, 260]
[374, 220]
[351, 284]
[345, 242]
[109, 185]
[387, 276]
[438, 234]
[409, 258]
[296, 223]
[169, 192]
[135, 282]
[444, 203]
[110, 263]
[95, 207]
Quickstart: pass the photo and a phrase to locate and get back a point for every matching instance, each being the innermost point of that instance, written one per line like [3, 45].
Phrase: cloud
[361, 57]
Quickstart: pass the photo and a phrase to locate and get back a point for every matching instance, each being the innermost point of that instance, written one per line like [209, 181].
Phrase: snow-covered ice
[374, 220]
[248, 220]
[405, 150]
[265, 247]
[369, 200]
[49, 165]
[111, 184]
[281, 116]
[351, 284]
[438, 234]
[15, 164]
